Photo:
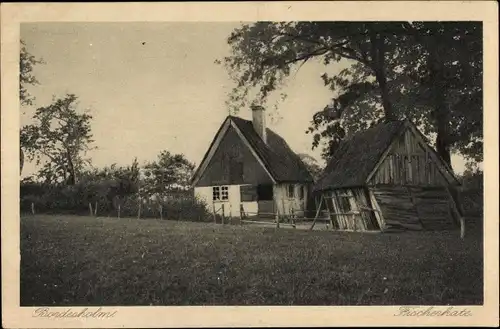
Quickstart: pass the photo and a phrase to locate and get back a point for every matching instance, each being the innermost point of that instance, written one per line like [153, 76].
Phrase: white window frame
[215, 193]
[224, 193]
[220, 193]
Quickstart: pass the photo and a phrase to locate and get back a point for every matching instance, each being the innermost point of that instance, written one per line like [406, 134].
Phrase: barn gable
[409, 160]
[362, 159]
[355, 158]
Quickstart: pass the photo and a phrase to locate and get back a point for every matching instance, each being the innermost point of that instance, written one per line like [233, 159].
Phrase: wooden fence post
[139, 210]
[284, 209]
[95, 209]
[277, 219]
[119, 209]
[33, 208]
[90, 208]
[241, 213]
[318, 210]
[223, 215]
[161, 212]
[293, 218]
[328, 210]
[462, 227]
[230, 214]
[213, 212]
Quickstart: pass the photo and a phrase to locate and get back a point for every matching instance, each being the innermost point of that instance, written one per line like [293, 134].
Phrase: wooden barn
[250, 169]
[388, 177]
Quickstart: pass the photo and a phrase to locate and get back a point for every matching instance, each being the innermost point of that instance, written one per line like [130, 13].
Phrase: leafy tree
[391, 74]
[263, 53]
[312, 165]
[169, 173]
[60, 137]
[26, 77]
[112, 183]
[472, 178]
[445, 59]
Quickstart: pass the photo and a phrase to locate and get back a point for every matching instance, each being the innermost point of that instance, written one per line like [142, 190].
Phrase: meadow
[77, 260]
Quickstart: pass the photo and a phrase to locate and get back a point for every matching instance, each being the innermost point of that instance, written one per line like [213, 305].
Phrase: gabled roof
[356, 157]
[282, 164]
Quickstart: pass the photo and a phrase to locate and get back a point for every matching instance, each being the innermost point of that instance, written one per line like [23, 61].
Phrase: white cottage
[251, 168]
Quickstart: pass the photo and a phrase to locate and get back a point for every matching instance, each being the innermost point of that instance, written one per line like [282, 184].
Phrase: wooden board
[415, 208]
[434, 208]
[397, 208]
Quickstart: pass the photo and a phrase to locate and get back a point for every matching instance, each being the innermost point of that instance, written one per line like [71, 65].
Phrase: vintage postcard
[249, 164]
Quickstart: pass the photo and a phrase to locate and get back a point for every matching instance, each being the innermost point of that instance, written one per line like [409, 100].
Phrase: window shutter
[248, 193]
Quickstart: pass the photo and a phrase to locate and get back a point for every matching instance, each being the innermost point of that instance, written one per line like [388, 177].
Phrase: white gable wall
[231, 206]
[287, 205]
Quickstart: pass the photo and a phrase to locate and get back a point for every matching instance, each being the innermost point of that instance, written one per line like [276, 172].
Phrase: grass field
[69, 260]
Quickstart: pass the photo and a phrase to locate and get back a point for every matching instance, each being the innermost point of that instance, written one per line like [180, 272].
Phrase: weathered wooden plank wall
[360, 217]
[397, 207]
[409, 163]
[287, 205]
[415, 208]
[434, 207]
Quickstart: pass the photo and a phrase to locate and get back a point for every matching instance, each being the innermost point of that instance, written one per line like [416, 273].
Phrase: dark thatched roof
[356, 157]
[281, 162]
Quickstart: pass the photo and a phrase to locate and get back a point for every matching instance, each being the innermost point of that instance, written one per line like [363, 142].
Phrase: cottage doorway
[265, 201]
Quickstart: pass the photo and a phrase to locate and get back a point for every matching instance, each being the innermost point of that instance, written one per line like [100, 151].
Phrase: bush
[472, 192]
[177, 209]
[472, 202]
[50, 199]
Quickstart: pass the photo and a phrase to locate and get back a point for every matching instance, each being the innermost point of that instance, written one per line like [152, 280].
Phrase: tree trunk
[441, 112]
[443, 144]
[443, 148]
[384, 94]
[378, 66]
[71, 168]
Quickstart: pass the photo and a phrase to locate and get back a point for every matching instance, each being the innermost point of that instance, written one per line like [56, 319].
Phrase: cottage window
[216, 193]
[291, 190]
[225, 192]
[265, 192]
[301, 192]
[249, 193]
[220, 193]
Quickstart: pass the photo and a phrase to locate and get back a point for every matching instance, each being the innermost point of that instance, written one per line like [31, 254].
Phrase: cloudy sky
[154, 86]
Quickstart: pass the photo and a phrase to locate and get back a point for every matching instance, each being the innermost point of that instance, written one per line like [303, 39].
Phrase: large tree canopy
[429, 72]
[169, 173]
[60, 137]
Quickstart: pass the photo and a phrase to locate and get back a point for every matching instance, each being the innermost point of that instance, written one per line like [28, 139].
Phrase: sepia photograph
[251, 163]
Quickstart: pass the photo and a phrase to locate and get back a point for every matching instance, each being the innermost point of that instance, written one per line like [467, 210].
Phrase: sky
[155, 86]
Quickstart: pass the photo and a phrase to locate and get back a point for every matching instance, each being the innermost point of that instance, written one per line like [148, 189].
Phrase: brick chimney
[259, 121]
